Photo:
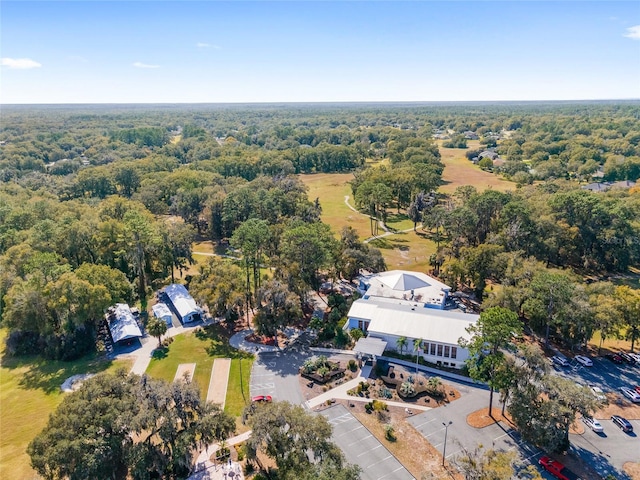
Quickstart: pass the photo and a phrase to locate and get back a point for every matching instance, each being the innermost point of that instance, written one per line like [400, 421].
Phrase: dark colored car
[637, 388]
[623, 423]
[614, 358]
[627, 358]
[261, 398]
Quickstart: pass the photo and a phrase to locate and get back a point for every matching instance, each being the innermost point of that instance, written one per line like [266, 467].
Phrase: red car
[637, 389]
[617, 359]
[261, 398]
[557, 469]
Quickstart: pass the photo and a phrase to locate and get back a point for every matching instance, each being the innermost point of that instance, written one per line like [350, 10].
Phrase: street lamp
[446, 430]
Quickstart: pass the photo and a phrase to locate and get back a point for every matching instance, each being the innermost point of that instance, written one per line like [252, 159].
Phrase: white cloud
[19, 63]
[208, 45]
[144, 65]
[633, 32]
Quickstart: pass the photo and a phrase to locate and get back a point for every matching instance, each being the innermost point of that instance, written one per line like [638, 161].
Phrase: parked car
[623, 423]
[558, 360]
[614, 358]
[631, 394]
[581, 359]
[598, 393]
[261, 398]
[635, 356]
[557, 469]
[626, 357]
[637, 388]
[593, 424]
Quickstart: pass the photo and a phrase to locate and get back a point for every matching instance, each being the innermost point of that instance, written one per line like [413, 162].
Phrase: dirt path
[217, 392]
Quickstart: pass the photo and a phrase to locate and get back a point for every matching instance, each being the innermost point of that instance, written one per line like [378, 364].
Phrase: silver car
[593, 424]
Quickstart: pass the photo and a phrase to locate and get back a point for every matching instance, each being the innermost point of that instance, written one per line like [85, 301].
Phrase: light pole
[446, 430]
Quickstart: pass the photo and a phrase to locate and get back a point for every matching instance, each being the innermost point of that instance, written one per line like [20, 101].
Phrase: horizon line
[330, 102]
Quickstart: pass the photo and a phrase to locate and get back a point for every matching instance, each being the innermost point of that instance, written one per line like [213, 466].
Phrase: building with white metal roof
[407, 287]
[183, 304]
[440, 330]
[122, 323]
[161, 311]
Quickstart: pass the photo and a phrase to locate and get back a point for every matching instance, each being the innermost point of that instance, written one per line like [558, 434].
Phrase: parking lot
[276, 374]
[608, 451]
[360, 447]
[461, 436]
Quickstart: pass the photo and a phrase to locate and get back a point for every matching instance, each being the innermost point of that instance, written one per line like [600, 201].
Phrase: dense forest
[100, 204]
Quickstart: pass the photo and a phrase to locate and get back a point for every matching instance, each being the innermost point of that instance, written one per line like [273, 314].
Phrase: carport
[360, 447]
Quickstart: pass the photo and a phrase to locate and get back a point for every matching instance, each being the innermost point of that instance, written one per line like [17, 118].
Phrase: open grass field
[29, 392]
[331, 188]
[201, 347]
[459, 171]
[406, 251]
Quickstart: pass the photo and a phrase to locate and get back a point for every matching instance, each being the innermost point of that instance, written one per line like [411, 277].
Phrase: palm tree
[157, 328]
[417, 345]
[401, 343]
[435, 385]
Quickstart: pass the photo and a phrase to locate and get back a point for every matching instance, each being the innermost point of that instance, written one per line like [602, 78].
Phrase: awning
[370, 346]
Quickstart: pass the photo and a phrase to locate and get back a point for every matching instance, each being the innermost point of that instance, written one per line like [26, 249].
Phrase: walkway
[206, 470]
[387, 231]
[238, 341]
[340, 392]
[219, 381]
[185, 370]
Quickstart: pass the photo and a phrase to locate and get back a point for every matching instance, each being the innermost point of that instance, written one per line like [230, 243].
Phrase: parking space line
[380, 461]
[349, 432]
[391, 473]
[432, 420]
[366, 451]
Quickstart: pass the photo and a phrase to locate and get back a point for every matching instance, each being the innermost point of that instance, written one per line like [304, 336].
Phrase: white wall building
[399, 304]
[183, 304]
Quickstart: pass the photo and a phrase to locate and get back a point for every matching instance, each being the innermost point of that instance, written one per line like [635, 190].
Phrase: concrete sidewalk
[238, 341]
[207, 470]
[219, 381]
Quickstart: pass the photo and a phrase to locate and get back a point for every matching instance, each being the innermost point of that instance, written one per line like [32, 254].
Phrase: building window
[446, 351]
[433, 349]
[439, 350]
[454, 352]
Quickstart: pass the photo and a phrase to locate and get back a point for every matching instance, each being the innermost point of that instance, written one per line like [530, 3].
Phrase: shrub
[389, 433]
[353, 365]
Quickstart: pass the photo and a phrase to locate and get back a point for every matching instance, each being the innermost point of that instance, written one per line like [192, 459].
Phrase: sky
[304, 51]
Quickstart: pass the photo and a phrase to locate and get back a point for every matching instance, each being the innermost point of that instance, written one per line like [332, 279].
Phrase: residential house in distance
[399, 304]
[162, 312]
[604, 186]
[182, 304]
[122, 324]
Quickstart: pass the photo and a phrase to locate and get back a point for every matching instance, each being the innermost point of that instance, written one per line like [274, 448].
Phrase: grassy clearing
[331, 188]
[612, 344]
[406, 251]
[29, 392]
[238, 388]
[201, 348]
[459, 171]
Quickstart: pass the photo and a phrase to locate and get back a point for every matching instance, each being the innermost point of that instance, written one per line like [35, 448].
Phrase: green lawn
[29, 392]
[331, 188]
[201, 348]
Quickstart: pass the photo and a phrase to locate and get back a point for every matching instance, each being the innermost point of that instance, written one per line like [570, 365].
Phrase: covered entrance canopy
[370, 346]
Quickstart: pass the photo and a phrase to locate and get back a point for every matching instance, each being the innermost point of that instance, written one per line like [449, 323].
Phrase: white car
[598, 393]
[583, 360]
[558, 360]
[593, 424]
[631, 394]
